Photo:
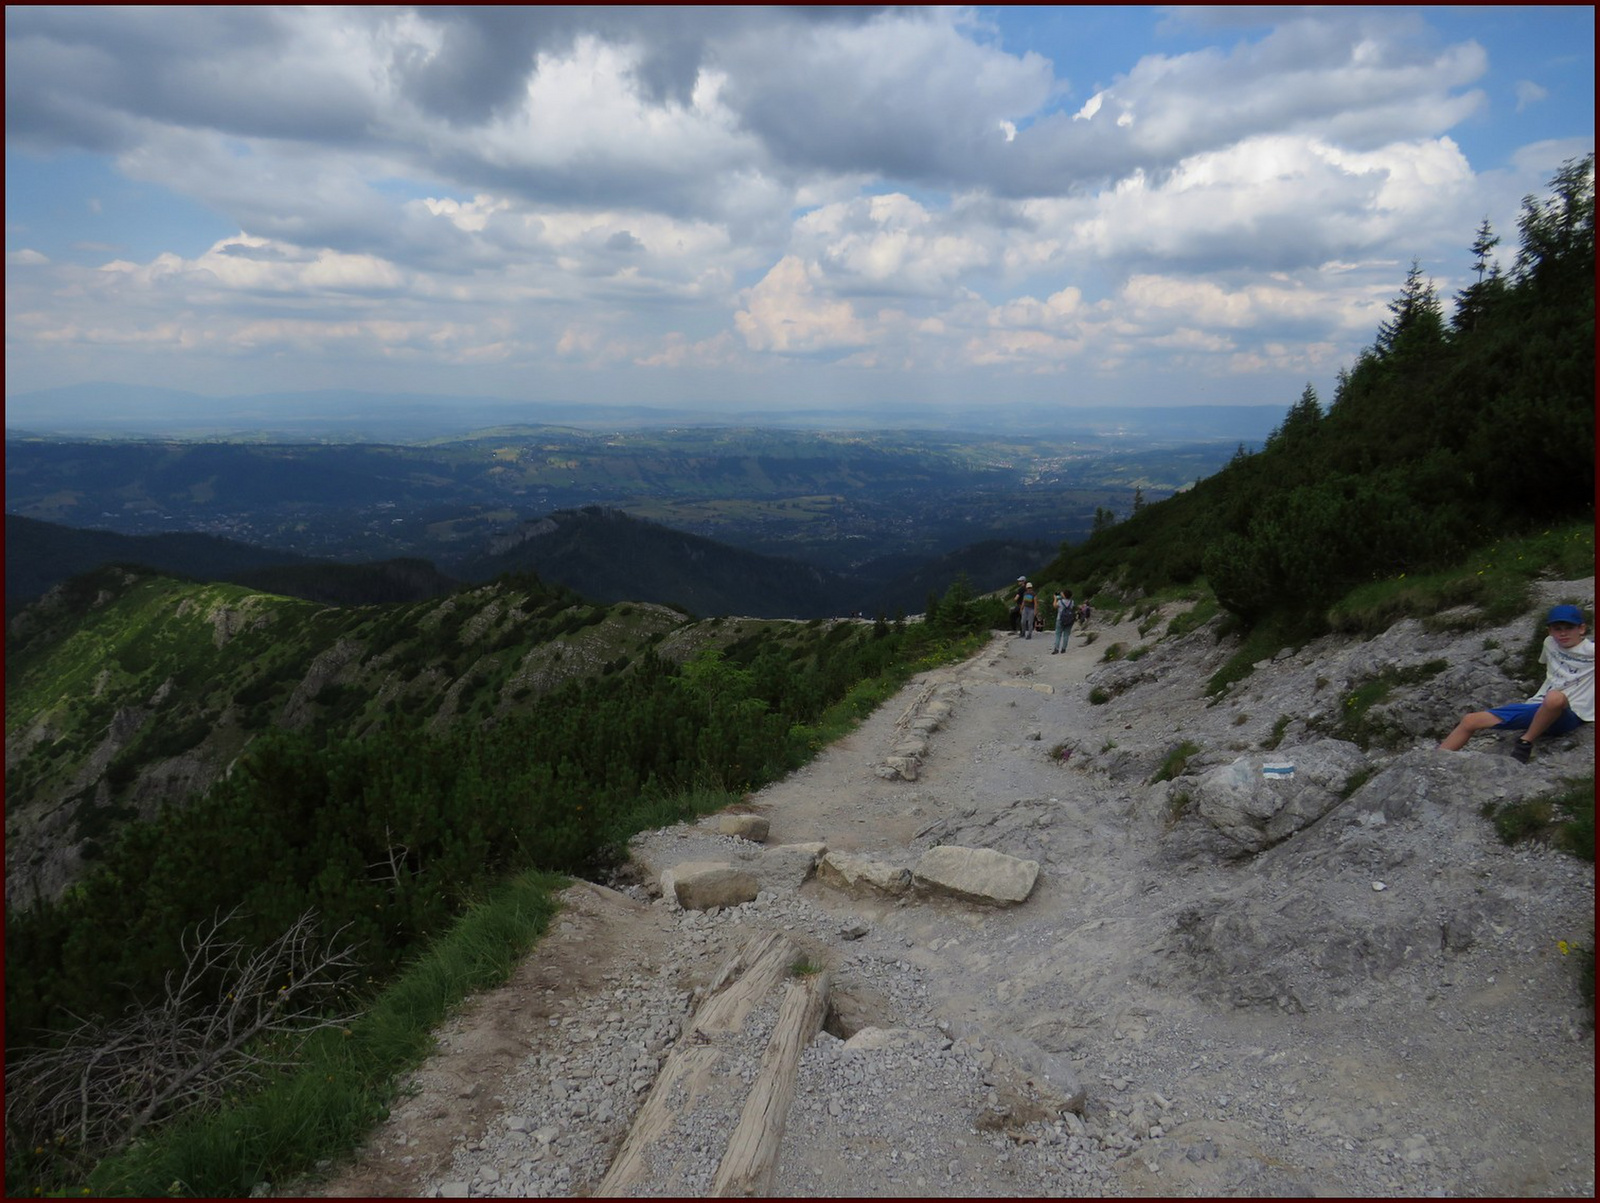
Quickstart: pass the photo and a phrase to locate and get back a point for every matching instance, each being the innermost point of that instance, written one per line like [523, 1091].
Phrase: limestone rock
[745, 826]
[905, 768]
[701, 885]
[848, 871]
[1254, 811]
[788, 865]
[977, 874]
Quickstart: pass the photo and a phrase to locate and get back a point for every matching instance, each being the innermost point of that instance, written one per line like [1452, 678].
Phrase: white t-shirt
[1571, 670]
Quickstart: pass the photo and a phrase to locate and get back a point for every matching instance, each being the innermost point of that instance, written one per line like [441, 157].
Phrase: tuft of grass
[1494, 581]
[1278, 728]
[1113, 651]
[1355, 723]
[1261, 643]
[1099, 696]
[1583, 970]
[1178, 803]
[1197, 616]
[1175, 762]
[804, 967]
[1564, 819]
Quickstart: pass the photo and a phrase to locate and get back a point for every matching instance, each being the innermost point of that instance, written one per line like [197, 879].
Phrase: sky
[761, 208]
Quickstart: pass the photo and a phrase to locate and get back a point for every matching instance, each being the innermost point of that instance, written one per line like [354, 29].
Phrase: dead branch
[110, 1079]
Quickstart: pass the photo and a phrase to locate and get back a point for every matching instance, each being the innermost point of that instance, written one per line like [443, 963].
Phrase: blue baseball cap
[1566, 614]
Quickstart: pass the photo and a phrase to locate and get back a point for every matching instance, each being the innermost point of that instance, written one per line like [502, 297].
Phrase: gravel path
[1151, 1021]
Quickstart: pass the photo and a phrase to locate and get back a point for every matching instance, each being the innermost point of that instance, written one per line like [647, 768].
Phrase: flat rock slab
[848, 871]
[976, 874]
[745, 826]
[701, 885]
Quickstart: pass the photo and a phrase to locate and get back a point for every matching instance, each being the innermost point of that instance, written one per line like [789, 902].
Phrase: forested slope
[1442, 436]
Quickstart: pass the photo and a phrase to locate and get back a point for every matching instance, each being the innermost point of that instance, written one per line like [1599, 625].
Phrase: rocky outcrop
[1259, 800]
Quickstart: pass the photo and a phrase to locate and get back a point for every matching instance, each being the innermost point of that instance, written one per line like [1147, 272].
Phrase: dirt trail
[1448, 1072]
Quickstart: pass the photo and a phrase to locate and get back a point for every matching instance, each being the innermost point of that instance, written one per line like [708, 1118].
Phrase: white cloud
[881, 190]
[1529, 93]
[785, 313]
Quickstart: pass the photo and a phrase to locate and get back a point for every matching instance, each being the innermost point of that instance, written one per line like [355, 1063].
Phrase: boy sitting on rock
[1564, 702]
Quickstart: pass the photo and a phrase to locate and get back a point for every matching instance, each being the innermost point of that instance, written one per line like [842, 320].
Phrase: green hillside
[1443, 437]
[132, 697]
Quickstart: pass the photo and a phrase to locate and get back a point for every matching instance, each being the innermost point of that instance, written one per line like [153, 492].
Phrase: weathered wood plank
[692, 1068]
[751, 1160]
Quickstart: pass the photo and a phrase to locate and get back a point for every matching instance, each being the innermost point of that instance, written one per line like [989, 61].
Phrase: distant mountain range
[601, 554]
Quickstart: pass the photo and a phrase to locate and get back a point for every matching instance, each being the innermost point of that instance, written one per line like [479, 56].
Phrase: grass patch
[1202, 612]
[1564, 819]
[1493, 581]
[1114, 651]
[1261, 643]
[1175, 762]
[1099, 696]
[804, 967]
[1356, 723]
[1278, 728]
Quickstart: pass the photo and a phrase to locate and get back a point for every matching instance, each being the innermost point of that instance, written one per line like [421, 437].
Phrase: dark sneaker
[1521, 751]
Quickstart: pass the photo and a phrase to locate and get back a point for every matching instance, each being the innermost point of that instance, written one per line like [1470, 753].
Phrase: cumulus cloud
[696, 189]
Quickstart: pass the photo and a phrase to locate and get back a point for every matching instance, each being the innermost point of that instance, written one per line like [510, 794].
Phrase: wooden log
[761, 966]
[751, 1160]
[689, 1065]
[691, 1068]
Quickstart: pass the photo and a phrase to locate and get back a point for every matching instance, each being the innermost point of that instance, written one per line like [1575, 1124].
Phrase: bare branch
[110, 1080]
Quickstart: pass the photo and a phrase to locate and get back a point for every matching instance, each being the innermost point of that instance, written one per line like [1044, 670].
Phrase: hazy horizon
[110, 410]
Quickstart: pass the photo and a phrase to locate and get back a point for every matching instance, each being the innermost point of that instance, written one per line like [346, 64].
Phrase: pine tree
[1418, 322]
[1473, 301]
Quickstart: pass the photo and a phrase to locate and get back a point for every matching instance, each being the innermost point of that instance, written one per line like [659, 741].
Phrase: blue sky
[760, 207]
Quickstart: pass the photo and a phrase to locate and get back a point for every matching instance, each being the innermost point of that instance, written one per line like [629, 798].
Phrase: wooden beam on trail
[759, 966]
[752, 1158]
[692, 1071]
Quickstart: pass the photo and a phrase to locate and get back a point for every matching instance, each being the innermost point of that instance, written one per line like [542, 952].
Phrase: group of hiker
[1027, 615]
[1563, 703]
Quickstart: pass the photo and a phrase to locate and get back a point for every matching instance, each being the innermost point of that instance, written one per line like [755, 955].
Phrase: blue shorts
[1518, 716]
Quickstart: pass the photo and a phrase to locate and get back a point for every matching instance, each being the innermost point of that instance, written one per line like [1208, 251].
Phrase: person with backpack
[1065, 616]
